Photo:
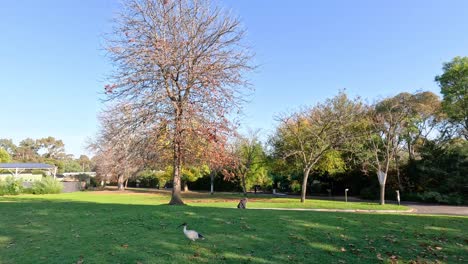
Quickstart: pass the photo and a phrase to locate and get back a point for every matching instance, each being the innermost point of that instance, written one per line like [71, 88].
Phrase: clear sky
[53, 68]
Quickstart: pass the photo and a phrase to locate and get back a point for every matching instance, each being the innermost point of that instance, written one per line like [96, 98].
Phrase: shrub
[93, 182]
[295, 186]
[413, 197]
[82, 177]
[369, 193]
[433, 197]
[436, 197]
[318, 187]
[39, 172]
[148, 179]
[11, 186]
[47, 185]
[456, 199]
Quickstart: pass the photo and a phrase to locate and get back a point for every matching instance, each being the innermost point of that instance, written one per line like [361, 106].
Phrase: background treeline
[44, 150]
[412, 142]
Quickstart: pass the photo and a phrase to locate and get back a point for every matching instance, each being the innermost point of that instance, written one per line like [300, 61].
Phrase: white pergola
[16, 168]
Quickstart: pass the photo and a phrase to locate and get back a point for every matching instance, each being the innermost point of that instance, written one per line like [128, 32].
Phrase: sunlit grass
[223, 200]
[117, 227]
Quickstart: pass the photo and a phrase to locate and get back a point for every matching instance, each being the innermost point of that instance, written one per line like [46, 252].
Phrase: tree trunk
[176, 198]
[304, 185]
[120, 183]
[410, 151]
[126, 183]
[382, 194]
[186, 187]
[244, 188]
[212, 183]
[397, 164]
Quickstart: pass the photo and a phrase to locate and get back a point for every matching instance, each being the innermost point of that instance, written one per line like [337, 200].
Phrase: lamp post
[346, 194]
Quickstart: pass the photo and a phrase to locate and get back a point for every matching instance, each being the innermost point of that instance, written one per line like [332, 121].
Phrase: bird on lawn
[191, 234]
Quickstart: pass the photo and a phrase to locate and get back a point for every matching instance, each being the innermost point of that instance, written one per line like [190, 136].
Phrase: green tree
[52, 148]
[305, 137]
[27, 151]
[248, 161]
[331, 163]
[423, 115]
[442, 168]
[4, 156]
[8, 145]
[387, 124]
[189, 174]
[454, 88]
[71, 165]
[85, 163]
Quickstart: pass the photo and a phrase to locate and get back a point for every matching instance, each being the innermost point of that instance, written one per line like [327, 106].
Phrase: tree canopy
[454, 88]
[4, 156]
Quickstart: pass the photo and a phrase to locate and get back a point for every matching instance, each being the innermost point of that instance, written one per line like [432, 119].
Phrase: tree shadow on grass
[61, 231]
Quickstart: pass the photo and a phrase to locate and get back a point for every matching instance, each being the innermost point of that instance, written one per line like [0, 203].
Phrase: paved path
[438, 209]
[414, 209]
[338, 210]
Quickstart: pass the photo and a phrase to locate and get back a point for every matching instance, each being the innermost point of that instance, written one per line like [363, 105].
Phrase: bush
[148, 181]
[39, 172]
[318, 188]
[436, 197]
[47, 185]
[456, 199]
[433, 197]
[11, 186]
[295, 186]
[82, 177]
[369, 193]
[413, 197]
[93, 182]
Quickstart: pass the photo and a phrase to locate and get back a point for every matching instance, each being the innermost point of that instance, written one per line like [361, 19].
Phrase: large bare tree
[181, 64]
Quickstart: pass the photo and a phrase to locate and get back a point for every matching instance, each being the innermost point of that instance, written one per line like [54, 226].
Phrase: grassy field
[138, 228]
[223, 200]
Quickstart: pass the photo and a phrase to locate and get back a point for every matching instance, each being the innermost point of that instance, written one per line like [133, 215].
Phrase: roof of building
[26, 166]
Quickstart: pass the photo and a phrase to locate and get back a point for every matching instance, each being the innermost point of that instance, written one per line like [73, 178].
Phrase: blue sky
[53, 68]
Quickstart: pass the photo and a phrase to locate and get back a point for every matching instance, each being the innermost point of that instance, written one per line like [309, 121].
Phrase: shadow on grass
[61, 231]
[289, 201]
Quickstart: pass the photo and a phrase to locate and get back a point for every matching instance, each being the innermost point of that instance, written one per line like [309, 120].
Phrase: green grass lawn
[128, 228]
[224, 200]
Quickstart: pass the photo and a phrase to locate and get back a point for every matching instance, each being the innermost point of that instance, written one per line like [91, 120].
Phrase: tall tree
[247, 160]
[305, 137]
[27, 151]
[389, 120]
[52, 148]
[454, 88]
[216, 154]
[8, 145]
[181, 63]
[424, 114]
[85, 163]
[4, 156]
[116, 146]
